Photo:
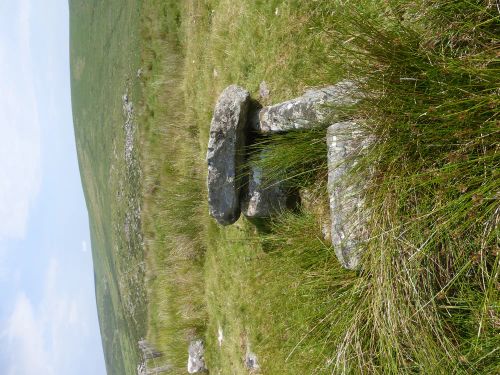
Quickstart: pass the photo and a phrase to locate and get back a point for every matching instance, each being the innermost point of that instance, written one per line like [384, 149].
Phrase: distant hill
[104, 55]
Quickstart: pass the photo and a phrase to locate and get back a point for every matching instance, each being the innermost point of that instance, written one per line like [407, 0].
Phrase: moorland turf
[426, 297]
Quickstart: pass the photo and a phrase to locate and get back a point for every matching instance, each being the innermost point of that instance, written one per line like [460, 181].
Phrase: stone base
[261, 201]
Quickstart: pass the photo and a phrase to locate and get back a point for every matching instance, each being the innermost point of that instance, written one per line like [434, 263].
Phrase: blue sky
[48, 318]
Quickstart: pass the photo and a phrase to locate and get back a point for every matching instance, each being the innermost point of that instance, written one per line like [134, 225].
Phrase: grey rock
[148, 351]
[225, 154]
[262, 200]
[307, 110]
[196, 360]
[220, 336]
[263, 90]
[251, 362]
[348, 213]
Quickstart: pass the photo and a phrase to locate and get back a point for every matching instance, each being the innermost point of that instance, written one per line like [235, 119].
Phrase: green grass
[434, 215]
[426, 299]
[173, 194]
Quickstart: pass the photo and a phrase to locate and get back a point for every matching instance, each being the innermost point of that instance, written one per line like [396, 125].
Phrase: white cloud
[25, 342]
[20, 135]
[44, 338]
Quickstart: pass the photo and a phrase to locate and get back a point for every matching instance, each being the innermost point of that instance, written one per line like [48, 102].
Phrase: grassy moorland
[104, 38]
[426, 299]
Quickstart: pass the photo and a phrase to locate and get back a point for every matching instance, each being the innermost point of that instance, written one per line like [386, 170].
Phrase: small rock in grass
[220, 336]
[263, 90]
[196, 360]
[306, 111]
[251, 362]
[225, 154]
[348, 214]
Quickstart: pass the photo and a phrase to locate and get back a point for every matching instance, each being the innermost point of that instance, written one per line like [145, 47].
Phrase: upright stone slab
[260, 200]
[348, 214]
[225, 154]
[307, 110]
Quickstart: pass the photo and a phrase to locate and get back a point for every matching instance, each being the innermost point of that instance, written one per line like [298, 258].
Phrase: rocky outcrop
[306, 111]
[196, 359]
[225, 154]
[348, 213]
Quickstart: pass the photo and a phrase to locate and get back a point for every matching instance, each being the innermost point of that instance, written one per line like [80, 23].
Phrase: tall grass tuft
[297, 158]
[173, 194]
[430, 294]
[431, 75]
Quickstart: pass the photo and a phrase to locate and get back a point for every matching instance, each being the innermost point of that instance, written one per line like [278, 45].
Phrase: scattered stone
[225, 154]
[261, 200]
[264, 90]
[148, 351]
[196, 360]
[348, 215]
[326, 232]
[128, 127]
[220, 336]
[251, 362]
[307, 110]
[141, 369]
[127, 106]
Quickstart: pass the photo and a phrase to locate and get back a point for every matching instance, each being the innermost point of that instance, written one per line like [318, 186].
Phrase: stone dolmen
[229, 193]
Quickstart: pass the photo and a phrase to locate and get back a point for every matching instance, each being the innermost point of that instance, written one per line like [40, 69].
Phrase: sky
[48, 315]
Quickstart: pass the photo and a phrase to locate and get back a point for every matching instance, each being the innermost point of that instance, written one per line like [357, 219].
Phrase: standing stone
[225, 154]
[196, 360]
[262, 200]
[348, 215]
[306, 111]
